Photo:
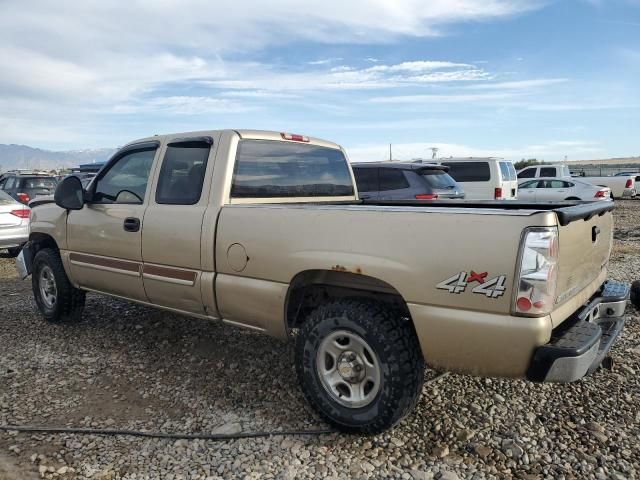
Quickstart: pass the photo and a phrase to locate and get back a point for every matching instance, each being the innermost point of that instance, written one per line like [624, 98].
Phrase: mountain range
[22, 156]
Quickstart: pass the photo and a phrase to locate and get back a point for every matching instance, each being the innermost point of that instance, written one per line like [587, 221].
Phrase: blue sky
[508, 78]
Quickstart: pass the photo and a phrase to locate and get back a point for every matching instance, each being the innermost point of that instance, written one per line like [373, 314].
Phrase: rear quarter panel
[411, 250]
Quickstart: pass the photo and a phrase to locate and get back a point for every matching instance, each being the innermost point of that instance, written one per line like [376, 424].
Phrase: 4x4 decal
[458, 283]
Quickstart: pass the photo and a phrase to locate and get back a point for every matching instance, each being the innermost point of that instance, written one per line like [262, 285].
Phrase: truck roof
[242, 133]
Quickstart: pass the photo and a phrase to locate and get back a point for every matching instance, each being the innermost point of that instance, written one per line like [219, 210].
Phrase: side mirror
[69, 194]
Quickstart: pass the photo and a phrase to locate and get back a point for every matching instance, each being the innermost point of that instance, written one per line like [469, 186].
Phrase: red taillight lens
[629, 183]
[294, 137]
[22, 213]
[600, 194]
[23, 197]
[427, 196]
[524, 304]
[498, 193]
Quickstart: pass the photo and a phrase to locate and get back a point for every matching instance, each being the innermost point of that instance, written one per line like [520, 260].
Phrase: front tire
[57, 300]
[359, 364]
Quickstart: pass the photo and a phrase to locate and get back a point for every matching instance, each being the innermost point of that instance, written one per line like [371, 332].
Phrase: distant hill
[23, 156]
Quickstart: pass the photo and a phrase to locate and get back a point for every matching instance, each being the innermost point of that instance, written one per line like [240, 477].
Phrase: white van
[484, 178]
[545, 171]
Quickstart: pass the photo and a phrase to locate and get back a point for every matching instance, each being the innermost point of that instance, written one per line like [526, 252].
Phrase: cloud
[520, 84]
[442, 98]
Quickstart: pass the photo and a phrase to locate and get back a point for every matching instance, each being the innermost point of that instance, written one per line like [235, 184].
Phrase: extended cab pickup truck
[265, 230]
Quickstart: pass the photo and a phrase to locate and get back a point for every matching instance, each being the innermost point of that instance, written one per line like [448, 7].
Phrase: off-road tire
[395, 343]
[70, 300]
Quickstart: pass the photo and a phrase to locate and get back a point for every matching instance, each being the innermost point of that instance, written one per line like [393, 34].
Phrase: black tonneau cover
[567, 211]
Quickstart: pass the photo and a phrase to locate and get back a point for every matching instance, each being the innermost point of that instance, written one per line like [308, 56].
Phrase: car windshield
[438, 179]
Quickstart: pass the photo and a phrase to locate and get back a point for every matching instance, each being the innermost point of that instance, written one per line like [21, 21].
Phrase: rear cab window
[469, 171]
[547, 171]
[275, 169]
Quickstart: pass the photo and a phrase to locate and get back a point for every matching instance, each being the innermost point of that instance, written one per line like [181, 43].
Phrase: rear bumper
[17, 237]
[578, 346]
[629, 192]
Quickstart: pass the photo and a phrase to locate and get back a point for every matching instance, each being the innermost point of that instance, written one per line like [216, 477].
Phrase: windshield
[438, 179]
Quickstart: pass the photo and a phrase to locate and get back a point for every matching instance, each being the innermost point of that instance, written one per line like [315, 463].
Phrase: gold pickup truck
[265, 230]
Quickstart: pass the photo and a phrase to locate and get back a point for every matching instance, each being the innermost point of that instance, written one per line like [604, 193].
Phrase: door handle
[131, 224]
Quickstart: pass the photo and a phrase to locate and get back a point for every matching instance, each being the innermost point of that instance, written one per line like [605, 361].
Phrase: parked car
[266, 231]
[558, 189]
[27, 187]
[484, 178]
[405, 181]
[546, 171]
[14, 224]
[620, 186]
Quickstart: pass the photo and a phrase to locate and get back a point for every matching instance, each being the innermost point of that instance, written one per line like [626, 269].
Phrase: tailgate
[585, 245]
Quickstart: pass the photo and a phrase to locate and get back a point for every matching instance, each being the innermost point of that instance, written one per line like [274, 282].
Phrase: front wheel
[359, 364]
[57, 299]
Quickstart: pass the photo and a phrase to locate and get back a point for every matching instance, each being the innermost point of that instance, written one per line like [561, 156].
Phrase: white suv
[484, 178]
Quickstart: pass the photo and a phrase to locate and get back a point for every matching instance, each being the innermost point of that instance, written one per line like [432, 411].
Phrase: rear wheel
[57, 299]
[359, 365]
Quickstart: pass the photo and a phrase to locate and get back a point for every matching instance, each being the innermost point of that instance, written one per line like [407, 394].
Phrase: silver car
[558, 189]
[14, 224]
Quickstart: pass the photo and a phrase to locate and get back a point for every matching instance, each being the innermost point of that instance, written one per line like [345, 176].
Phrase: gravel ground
[127, 366]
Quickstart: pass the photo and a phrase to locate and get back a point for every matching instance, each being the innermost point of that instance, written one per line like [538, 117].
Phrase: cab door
[173, 225]
[104, 239]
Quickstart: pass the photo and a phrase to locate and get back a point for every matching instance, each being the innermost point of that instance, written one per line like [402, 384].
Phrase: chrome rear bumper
[579, 345]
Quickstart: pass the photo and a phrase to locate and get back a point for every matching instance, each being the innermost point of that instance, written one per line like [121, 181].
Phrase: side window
[392, 179]
[182, 172]
[529, 184]
[547, 171]
[527, 173]
[558, 184]
[366, 179]
[2, 182]
[469, 171]
[569, 185]
[272, 169]
[126, 180]
[10, 183]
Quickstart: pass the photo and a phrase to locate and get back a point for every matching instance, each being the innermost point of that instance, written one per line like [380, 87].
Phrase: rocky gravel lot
[127, 366]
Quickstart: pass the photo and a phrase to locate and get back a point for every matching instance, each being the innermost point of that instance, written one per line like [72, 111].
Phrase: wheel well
[312, 288]
[42, 240]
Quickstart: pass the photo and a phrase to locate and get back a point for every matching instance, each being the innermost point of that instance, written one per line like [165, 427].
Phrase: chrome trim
[243, 325]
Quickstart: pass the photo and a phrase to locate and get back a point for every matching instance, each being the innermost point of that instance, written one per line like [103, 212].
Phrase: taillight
[601, 194]
[294, 137]
[497, 193]
[23, 197]
[537, 278]
[22, 213]
[427, 196]
[629, 183]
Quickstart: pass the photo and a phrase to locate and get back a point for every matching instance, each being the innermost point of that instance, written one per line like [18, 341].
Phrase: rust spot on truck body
[341, 268]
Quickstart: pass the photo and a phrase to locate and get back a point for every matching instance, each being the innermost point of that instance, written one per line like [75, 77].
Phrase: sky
[511, 78]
